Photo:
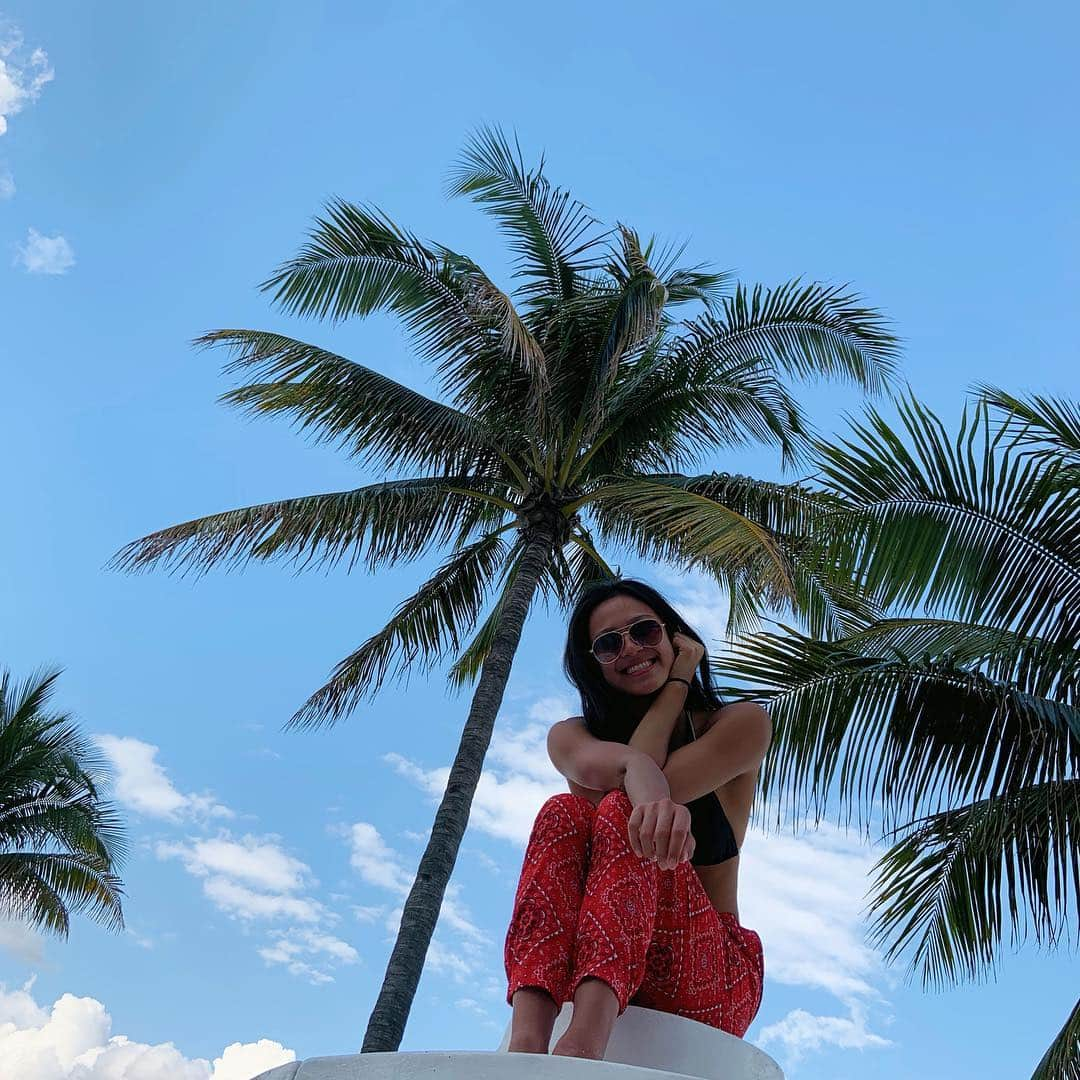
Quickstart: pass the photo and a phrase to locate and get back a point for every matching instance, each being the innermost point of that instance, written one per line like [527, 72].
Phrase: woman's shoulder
[706, 719]
[569, 729]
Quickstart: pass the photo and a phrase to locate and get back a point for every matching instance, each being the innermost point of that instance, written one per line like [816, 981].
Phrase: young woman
[629, 890]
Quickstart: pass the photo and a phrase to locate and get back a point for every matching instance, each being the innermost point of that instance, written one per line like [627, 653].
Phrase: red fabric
[588, 907]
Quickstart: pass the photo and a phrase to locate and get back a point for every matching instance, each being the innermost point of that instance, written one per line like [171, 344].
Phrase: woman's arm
[652, 736]
[659, 828]
[735, 744]
[604, 766]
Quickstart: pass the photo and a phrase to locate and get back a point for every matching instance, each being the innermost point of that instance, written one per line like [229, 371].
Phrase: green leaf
[379, 524]
[375, 419]
[959, 525]
[809, 331]
[945, 891]
[551, 233]
[423, 629]
[60, 839]
[1062, 1058]
[902, 735]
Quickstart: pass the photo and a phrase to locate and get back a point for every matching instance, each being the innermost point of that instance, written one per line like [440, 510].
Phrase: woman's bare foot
[595, 1010]
[534, 1017]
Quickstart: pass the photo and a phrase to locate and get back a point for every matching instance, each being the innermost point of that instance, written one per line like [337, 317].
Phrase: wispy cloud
[142, 784]
[294, 949]
[24, 73]
[7, 184]
[73, 1040]
[381, 866]
[41, 254]
[250, 878]
[20, 941]
[801, 1032]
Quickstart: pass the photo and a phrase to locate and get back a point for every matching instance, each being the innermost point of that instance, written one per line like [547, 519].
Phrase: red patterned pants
[588, 907]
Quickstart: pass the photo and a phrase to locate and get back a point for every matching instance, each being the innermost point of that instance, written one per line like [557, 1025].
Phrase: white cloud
[257, 861]
[290, 947]
[241, 1061]
[23, 74]
[42, 254]
[21, 941]
[229, 868]
[801, 1032]
[7, 185]
[379, 865]
[515, 784]
[143, 785]
[376, 863]
[699, 601]
[368, 912]
[805, 895]
[236, 899]
[72, 1041]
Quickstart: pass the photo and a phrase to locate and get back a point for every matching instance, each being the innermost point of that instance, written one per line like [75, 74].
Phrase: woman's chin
[647, 684]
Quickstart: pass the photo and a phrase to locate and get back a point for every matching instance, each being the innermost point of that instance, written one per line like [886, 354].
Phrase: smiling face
[640, 669]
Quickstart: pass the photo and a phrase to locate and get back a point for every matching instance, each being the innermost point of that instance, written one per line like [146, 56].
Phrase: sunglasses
[608, 647]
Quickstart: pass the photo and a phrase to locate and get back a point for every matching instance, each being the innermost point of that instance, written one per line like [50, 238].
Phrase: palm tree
[60, 840]
[556, 403]
[951, 720]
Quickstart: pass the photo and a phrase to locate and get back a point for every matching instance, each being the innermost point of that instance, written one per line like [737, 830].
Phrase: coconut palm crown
[954, 715]
[557, 404]
[60, 838]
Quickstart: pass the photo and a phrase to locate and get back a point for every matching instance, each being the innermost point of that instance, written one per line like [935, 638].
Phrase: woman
[629, 890]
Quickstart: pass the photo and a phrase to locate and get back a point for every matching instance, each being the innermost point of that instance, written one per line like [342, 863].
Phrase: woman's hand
[660, 831]
[688, 654]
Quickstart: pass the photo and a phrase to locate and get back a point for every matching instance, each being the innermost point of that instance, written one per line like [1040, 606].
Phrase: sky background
[158, 162]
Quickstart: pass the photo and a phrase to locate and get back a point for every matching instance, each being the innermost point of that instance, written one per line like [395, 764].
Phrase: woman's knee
[574, 810]
[615, 806]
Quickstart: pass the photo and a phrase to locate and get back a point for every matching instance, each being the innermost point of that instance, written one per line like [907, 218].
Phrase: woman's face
[639, 669]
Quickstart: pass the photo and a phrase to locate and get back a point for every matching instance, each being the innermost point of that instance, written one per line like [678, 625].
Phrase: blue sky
[158, 161]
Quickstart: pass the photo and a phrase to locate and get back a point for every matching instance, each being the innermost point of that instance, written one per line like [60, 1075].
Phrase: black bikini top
[714, 838]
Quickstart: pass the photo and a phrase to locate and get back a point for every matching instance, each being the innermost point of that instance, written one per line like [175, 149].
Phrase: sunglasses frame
[624, 632]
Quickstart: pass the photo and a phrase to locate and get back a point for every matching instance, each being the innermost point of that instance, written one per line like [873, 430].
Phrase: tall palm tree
[554, 404]
[954, 713]
[60, 839]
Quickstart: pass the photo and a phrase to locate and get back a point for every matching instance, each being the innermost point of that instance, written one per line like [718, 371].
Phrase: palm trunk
[387, 1022]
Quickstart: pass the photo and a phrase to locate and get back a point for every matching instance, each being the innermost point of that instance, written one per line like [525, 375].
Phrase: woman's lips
[644, 671]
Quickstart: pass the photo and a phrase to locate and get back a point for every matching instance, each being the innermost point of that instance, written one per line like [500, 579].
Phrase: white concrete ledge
[646, 1045]
[462, 1065]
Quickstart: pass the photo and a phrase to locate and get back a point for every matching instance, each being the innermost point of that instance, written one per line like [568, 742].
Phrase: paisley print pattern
[588, 907]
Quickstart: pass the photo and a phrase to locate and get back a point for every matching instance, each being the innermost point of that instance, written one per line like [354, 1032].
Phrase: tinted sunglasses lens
[647, 632]
[607, 647]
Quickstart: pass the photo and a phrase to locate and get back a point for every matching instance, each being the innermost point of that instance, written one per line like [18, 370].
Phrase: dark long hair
[606, 711]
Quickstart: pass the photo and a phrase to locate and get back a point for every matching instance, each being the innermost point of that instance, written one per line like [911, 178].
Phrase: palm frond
[945, 892]
[1044, 427]
[494, 312]
[662, 520]
[959, 524]
[905, 735]
[808, 331]
[423, 629]
[466, 668]
[1032, 665]
[551, 233]
[372, 417]
[1038, 420]
[45, 889]
[1062, 1058]
[379, 523]
[357, 261]
[666, 415]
